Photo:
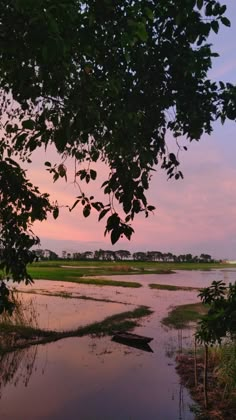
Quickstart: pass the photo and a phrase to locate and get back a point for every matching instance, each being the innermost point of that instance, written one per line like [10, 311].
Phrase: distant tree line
[46, 254]
[124, 255]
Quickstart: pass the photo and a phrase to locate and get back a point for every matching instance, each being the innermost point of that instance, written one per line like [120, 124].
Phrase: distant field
[132, 265]
[75, 271]
[64, 270]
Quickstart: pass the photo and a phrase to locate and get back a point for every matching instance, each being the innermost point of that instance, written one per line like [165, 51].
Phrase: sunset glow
[197, 214]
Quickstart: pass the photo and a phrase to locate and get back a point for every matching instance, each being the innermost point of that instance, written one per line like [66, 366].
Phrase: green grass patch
[53, 273]
[181, 316]
[76, 276]
[24, 336]
[104, 282]
[171, 287]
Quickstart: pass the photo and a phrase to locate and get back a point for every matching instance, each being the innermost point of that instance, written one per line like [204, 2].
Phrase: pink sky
[197, 214]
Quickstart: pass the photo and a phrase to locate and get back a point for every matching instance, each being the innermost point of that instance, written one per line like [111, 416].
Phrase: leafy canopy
[100, 80]
[220, 321]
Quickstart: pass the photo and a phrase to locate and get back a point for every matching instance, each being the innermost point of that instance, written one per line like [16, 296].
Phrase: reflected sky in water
[60, 314]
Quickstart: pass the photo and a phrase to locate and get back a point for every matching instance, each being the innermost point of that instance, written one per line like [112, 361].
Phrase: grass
[51, 272]
[181, 316]
[223, 360]
[24, 336]
[76, 276]
[171, 287]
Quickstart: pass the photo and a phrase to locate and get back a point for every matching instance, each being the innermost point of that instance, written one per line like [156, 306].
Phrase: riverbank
[221, 368]
[221, 399]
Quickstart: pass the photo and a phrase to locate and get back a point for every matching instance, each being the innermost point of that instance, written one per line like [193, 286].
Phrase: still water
[97, 379]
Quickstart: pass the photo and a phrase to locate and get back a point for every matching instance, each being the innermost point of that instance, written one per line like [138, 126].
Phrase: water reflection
[61, 314]
[142, 347]
[17, 367]
[91, 379]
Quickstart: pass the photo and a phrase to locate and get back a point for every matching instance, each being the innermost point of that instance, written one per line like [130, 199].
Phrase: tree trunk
[195, 363]
[205, 382]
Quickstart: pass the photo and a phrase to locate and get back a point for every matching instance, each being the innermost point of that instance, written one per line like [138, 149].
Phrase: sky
[194, 215]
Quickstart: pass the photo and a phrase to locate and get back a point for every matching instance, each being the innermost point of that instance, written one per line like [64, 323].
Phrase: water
[97, 379]
[189, 278]
[83, 378]
[61, 314]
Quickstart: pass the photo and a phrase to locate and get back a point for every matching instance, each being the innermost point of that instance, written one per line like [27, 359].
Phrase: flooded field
[95, 378]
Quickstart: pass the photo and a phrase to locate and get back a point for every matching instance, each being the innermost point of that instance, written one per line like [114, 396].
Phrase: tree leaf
[97, 205]
[87, 178]
[225, 21]
[149, 13]
[86, 210]
[115, 235]
[55, 212]
[28, 124]
[215, 26]
[103, 213]
[55, 176]
[199, 4]
[93, 174]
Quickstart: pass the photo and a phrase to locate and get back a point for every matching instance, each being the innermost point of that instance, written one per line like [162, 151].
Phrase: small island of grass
[181, 316]
[172, 287]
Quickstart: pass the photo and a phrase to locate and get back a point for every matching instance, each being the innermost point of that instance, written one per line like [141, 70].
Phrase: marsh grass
[181, 316]
[23, 319]
[24, 313]
[171, 287]
[223, 358]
